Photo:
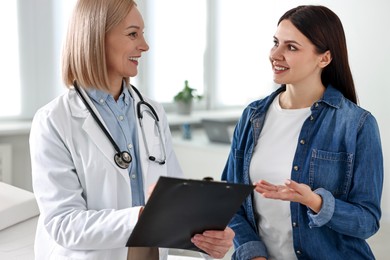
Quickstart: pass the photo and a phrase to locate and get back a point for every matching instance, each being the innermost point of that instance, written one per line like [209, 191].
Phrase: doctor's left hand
[215, 243]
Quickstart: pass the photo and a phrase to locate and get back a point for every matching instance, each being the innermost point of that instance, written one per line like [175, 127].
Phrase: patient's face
[293, 57]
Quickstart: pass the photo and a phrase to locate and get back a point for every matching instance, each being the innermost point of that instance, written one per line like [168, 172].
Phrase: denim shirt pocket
[331, 171]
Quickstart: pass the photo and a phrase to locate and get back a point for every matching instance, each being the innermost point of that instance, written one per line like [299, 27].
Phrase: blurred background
[220, 47]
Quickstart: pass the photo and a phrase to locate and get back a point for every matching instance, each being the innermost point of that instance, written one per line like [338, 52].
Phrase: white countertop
[196, 116]
[14, 127]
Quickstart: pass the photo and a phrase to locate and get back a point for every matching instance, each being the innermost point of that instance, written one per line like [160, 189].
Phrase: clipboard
[180, 208]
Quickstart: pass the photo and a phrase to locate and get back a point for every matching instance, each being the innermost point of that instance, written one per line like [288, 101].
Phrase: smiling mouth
[278, 68]
[134, 59]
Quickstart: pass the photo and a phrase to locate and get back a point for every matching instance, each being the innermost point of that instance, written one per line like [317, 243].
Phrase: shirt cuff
[327, 209]
[250, 250]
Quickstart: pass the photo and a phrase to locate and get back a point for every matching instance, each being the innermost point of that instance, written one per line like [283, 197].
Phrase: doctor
[96, 149]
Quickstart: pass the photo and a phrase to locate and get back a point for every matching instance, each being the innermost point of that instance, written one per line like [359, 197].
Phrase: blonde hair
[83, 56]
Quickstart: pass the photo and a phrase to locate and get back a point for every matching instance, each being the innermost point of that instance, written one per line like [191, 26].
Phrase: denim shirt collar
[332, 97]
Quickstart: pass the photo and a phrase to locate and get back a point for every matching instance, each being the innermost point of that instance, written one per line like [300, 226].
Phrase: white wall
[41, 30]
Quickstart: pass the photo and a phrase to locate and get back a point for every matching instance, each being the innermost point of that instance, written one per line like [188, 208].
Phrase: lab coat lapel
[93, 130]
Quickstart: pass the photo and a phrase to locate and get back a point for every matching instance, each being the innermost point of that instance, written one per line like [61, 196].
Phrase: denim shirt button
[294, 224]
[311, 118]
[298, 252]
[302, 141]
[316, 105]
[296, 168]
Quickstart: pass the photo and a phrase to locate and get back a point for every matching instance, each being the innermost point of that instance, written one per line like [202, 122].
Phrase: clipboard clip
[212, 179]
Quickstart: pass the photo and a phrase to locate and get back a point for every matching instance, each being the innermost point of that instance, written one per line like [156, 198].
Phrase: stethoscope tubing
[123, 158]
[96, 118]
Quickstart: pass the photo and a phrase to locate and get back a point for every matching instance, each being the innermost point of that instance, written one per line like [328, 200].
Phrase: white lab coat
[83, 196]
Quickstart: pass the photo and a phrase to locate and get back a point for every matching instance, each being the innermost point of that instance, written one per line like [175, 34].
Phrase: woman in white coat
[89, 201]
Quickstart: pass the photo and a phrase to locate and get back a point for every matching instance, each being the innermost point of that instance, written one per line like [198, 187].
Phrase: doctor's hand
[290, 191]
[215, 243]
[150, 190]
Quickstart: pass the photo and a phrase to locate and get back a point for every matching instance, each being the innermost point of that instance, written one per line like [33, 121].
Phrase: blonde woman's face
[125, 44]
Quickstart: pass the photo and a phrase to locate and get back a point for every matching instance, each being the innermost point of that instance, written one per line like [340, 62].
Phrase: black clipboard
[180, 208]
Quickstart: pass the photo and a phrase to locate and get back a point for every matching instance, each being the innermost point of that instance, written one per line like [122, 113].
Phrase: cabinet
[198, 156]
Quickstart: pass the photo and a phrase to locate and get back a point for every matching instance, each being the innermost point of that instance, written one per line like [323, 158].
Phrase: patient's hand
[290, 191]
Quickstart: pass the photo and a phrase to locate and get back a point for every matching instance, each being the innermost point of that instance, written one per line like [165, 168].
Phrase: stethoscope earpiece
[153, 159]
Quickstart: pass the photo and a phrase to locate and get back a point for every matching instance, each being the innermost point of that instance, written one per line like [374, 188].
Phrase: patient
[315, 155]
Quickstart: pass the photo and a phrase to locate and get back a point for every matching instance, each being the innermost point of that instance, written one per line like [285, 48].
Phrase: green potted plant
[185, 98]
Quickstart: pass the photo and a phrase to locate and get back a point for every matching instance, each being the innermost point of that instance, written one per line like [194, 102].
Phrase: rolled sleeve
[328, 204]
[250, 250]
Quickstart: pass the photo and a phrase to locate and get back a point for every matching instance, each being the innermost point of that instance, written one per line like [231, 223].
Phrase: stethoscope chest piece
[123, 159]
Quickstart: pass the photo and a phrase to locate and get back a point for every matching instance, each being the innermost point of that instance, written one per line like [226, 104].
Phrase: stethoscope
[123, 158]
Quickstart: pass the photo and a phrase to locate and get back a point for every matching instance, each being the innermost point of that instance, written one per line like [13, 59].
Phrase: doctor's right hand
[150, 190]
[215, 243]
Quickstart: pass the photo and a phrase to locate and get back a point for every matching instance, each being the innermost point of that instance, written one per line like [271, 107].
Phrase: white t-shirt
[272, 161]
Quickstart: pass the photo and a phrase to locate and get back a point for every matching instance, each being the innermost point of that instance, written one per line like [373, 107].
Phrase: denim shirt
[339, 156]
